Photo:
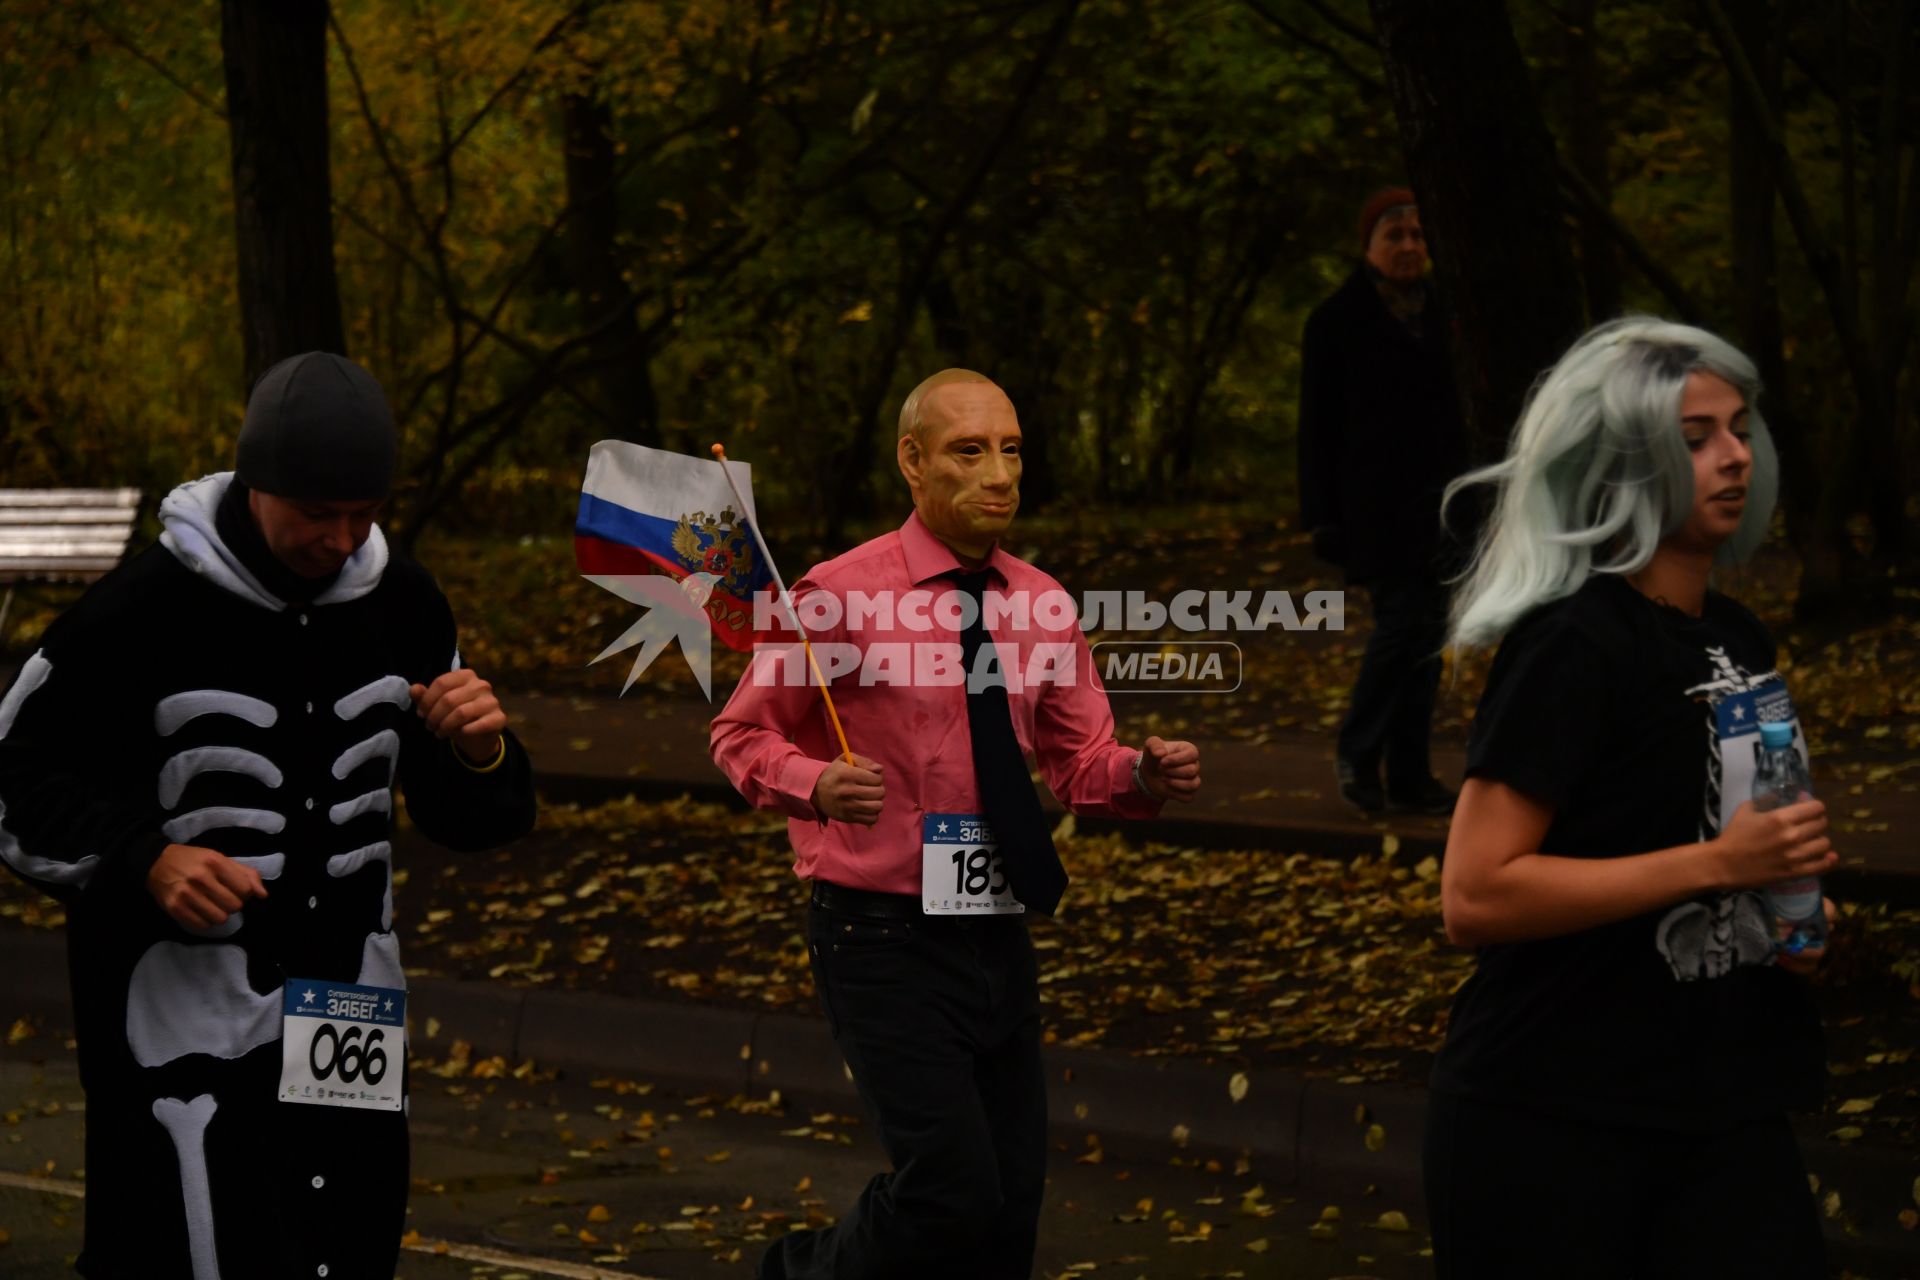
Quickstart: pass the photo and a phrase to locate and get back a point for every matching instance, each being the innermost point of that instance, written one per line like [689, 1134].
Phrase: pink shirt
[774, 739]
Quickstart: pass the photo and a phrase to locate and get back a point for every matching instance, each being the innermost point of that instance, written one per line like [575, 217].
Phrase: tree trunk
[1025, 361]
[621, 387]
[276, 67]
[951, 332]
[1818, 537]
[1587, 144]
[1888, 314]
[1118, 374]
[1836, 587]
[1483, 166]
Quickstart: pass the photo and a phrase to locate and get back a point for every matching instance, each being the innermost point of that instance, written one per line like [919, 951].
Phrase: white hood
[189, 532]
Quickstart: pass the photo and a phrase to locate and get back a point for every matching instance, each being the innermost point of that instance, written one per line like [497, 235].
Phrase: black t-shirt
[1636, 723]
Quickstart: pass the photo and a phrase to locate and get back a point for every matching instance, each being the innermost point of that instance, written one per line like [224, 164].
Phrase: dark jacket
[178, 702]
[1380, 432]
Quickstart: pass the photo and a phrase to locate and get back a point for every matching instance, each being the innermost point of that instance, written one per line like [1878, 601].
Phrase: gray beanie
[317, 427]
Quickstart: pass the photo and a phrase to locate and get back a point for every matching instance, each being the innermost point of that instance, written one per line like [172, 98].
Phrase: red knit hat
[1378, 203]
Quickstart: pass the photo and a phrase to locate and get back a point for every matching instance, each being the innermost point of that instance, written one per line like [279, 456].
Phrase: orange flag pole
[753, 527]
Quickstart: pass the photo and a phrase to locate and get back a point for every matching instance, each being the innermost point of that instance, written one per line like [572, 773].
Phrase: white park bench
[62, 535]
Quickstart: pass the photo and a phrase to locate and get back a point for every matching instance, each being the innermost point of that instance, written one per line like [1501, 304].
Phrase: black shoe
[1359, 786]
[1431, 796]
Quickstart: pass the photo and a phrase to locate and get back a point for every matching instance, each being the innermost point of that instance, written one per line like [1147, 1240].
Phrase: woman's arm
[1497, 886]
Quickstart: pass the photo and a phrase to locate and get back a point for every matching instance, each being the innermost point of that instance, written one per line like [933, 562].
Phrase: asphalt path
[562, 1178]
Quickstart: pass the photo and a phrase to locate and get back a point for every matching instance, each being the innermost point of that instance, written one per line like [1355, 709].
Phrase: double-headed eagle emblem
[718, 545]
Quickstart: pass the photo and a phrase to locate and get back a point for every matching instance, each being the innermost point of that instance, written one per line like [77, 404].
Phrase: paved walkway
[1279, 793]
[1311, 1137]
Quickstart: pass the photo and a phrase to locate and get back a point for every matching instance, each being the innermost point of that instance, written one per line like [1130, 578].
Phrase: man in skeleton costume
[199, 761]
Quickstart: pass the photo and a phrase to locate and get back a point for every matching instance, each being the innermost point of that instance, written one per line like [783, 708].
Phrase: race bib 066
[343, 1045]
[960, 871]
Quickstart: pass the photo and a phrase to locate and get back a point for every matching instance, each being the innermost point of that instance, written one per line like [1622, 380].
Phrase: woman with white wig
[1613, 1093]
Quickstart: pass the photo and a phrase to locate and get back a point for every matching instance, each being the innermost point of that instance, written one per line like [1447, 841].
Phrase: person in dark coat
[1380, 436]
[199, 761]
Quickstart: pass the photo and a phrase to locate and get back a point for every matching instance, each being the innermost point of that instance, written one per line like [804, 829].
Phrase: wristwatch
[1139, 782]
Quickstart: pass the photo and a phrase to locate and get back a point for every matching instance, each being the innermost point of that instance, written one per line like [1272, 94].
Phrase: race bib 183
[343, 1045]
[960, 871]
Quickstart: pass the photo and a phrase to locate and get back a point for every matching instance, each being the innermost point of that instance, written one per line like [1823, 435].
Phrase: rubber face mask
[965, 468]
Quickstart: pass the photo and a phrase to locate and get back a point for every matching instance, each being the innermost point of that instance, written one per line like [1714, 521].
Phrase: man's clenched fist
[851, 792]
[199, 887]
[460, 706]
[1170, 770]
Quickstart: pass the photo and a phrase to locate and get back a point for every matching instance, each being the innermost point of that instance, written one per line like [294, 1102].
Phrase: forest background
[541, 224]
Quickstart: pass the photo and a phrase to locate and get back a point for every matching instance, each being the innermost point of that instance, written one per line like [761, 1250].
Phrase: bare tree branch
[1842, 305]
[1587, 205]
[1016, 253]
[1325, 50]
[913, 281]
[1341, 23]
[120, 38]
[1843, 109]
[487, 324]
[443, 158]
[1890, 277]
[408, 199]
[431, 232]
[546, 41]
[496, 423]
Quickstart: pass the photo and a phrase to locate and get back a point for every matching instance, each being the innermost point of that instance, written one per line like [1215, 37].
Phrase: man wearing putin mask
[926, 853]
[199, 760]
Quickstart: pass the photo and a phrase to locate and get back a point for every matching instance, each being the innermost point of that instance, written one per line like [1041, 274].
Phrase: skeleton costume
[202, 694]
[1617, 1097]
[1636, 723]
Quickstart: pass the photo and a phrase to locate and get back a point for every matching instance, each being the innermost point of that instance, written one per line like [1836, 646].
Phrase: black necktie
[1006, 791]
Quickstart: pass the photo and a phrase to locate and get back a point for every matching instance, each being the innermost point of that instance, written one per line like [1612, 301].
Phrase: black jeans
[939, 1020]
[1516, 1194]
[1391, 712]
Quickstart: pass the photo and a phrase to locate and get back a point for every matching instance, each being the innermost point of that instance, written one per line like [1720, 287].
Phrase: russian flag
[649, 511]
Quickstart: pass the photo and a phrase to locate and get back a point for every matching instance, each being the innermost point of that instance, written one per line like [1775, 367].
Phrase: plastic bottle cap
[1776, 733]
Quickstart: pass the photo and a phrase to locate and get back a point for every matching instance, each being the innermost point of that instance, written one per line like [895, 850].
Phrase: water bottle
[1780, 779]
